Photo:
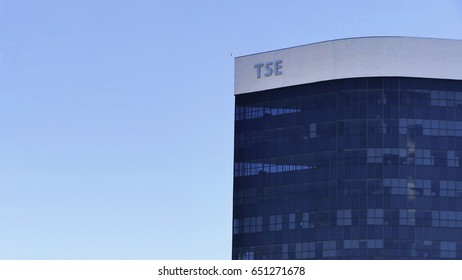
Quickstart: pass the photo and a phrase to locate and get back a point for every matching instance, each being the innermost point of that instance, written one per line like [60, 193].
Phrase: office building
[349, 149]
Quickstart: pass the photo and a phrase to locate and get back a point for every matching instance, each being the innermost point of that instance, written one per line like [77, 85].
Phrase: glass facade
[363, 168]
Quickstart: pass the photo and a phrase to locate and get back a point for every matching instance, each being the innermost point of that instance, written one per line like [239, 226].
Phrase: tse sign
[271, 68]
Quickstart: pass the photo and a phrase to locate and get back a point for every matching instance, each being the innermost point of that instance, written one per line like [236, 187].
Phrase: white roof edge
[350, 58]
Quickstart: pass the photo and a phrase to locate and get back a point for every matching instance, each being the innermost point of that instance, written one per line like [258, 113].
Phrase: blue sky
[116, 117]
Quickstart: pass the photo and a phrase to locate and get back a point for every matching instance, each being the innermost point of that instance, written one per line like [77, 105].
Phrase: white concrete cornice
[350, 58]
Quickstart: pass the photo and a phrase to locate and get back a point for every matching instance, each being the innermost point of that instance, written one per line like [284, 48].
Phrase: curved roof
[350, 58]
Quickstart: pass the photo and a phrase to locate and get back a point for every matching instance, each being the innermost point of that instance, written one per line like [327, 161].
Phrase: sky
[116, 117]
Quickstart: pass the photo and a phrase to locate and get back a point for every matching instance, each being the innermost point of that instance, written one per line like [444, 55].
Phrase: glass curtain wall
[364, 168]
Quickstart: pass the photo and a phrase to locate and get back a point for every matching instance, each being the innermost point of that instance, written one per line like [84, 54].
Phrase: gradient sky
[116, 117]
